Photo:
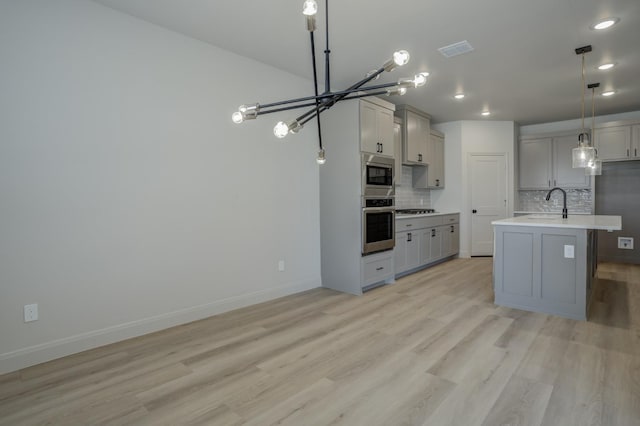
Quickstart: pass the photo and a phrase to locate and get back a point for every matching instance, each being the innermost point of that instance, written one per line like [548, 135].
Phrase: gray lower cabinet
[423, 241]
[541, 269]
[377, 268]
[407, 250]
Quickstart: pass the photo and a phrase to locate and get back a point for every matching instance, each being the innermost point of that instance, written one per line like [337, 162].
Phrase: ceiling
[523, 68]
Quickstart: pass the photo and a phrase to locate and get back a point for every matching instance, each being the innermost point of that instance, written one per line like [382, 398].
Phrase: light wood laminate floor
[431, 349]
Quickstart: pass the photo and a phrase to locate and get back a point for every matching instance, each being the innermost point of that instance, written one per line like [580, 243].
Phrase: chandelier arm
[315, 84]
[351, 89]
[321, 109]
[265, 109]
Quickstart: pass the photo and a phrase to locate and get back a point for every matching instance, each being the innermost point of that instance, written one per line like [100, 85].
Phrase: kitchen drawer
[408, 224]
[450, 218]
[417, 223]
[377, 268]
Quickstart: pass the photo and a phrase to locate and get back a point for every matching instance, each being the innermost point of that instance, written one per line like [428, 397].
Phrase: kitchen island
[544, 263]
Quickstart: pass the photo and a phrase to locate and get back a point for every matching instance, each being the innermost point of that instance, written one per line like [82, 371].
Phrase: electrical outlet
[625, 243]
[569, 252]
[31, 312]
[281, 265]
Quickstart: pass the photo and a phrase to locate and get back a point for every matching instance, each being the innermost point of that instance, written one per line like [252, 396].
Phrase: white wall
[561, 126]
[129, 201]
[461, 139]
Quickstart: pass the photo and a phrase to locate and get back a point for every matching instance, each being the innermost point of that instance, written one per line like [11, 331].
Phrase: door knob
[474, 211]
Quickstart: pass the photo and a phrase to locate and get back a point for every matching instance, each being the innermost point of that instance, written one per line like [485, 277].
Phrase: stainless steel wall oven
[378, 224]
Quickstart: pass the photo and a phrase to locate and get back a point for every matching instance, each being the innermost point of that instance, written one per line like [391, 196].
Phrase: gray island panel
[532, 271]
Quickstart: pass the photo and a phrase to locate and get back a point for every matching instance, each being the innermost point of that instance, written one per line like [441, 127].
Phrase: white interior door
[488, 189]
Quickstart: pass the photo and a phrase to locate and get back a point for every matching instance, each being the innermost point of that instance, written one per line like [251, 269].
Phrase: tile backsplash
[578, 201]
[408, 197]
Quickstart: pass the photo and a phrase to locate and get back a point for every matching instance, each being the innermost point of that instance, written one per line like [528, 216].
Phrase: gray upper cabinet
[397, 145]
[545, 162]
[416, 130]
[564, 175]
[435, 171]
[635, 133]
[432, 176]
[535, 163]
[617, 141]
[376, 128]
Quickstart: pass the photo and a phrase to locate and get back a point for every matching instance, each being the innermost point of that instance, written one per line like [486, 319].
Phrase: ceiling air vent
[456, 49]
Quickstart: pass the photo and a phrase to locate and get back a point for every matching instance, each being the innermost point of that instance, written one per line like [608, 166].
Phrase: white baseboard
[32, 355]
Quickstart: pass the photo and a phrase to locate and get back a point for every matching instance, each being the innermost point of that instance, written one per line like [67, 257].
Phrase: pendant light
[584, 153]
[594, 168]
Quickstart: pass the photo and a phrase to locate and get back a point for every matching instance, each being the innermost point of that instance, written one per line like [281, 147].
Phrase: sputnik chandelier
[322, 102]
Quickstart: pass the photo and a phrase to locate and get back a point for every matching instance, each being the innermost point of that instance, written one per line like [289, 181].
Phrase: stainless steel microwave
[377, 176]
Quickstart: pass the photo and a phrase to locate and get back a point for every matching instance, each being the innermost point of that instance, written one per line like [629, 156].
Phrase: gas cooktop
[415, 211]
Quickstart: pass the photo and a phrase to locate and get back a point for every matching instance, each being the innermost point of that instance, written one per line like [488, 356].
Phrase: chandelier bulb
[396, 91]
[281, 129]
[237, 117]
[310, 7]
[321, 157]
[401, 57]
[420, 79]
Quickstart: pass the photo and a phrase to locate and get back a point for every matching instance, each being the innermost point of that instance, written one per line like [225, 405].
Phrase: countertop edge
[409, 216]
[607, 222]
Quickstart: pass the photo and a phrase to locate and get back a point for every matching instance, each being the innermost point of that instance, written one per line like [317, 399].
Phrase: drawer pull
[408, 225]
[380, 268]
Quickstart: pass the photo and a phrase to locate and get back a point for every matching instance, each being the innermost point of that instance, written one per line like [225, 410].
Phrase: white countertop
[407, 216]
[543, 212]
[602, 222]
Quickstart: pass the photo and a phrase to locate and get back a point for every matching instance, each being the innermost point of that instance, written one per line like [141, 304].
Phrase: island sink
[564, 200]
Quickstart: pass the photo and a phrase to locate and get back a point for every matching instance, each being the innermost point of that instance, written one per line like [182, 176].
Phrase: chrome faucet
[564, 200]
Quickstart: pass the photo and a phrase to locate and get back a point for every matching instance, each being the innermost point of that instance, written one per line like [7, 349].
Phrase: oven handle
[379, 210]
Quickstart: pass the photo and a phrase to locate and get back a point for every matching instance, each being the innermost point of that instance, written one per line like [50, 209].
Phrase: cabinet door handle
[409, 237]
[433, 233]
[635, 152]
[379, 268]
[381, 147]
[474, 211]
[437, 182]
[452, 229]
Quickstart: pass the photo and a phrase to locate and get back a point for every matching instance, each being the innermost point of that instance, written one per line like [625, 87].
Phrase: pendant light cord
[593, 111]
[582, 90]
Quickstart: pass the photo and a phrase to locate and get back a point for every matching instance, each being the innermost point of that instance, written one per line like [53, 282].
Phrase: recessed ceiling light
[605, 23]
[606, 66]
[609, 93]
[485, 113]
[459, 95]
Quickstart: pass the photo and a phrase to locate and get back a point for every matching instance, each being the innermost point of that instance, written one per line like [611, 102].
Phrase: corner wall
[130, 201]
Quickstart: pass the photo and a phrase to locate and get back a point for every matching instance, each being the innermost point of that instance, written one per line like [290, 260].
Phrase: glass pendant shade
[582, 155]
[594, 168]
